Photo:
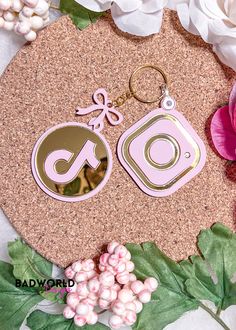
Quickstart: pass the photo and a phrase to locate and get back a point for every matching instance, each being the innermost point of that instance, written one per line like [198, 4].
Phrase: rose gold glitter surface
[42, 87]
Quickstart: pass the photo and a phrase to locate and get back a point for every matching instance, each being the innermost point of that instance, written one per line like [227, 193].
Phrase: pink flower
[223, 128]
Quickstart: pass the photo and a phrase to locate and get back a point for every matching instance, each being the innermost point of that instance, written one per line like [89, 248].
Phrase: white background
[197, 320]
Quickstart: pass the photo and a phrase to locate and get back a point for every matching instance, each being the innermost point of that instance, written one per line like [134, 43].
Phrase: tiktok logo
[86, 155]
[71, 162]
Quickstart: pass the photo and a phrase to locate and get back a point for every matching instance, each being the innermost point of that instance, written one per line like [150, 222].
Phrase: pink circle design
[63, 197]
[162, 151]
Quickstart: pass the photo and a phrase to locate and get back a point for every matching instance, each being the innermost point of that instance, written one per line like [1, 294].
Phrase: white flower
[214, 21]
[138, 17]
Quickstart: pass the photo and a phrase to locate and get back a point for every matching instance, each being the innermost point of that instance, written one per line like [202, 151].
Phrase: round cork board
[42, 87]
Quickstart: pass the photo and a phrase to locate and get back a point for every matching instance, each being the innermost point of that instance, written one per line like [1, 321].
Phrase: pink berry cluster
[25, 17]
[111, 287]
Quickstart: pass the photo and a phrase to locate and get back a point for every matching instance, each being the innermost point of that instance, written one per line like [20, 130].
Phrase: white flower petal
[137, 22]
[220, 28]
[199, 19]
[213, 8]
[226, 53]
[232, 12]
[128, 5]
[98, 6]
[151, 6]
[172, 4]
[184, 16]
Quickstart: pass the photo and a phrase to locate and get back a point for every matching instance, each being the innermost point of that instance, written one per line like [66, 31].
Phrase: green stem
[215, 316]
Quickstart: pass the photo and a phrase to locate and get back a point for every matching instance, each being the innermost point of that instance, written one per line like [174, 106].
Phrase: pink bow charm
[113, 116]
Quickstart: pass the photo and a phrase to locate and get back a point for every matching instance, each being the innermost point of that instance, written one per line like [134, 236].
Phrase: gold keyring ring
[131, 82]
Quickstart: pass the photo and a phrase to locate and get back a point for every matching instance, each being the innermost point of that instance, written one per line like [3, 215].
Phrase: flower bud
[130, 318]
[68, 312]
[151, 284]
[72, 300]
[144, 296]
[76, 266]
[115, 322]
[137, 287]
[82, 309]
[79, 320]
[111, 247]
[125, 296]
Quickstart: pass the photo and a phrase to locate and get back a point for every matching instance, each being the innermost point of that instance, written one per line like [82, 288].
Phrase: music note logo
[70, 162]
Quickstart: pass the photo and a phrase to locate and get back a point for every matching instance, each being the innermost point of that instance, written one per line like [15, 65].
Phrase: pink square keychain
[162, 151]
[72, 162]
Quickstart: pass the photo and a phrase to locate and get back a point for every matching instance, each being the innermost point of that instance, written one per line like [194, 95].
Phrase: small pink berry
[125, 295]
[68, 312]
[118, 307]
[93, 297]
[105, 293]
[92, 318]
[113, 295]
[111, 269]
[88, 265]
[116, 287]
[72, 300]
[121, 251]
[31, 3]
[104, 304]
[113, 260]
[115, 322]
[89, 302]
[76, 266]
[104, 259]
[93, 285]
[130, 318]
[82, 309]
[151, 284]
[130, 306]
[129, 266]
[5, 4]
[111, 247]
[79, 320]
[144, 296]
[132, 277]
[107, 278]
[23, 28]
[81, 277]
[120, 268]
[91, 274]
[69, 273]
[123, 278]
[72, 288]
[137, 287]
[102, 268]
[27, 11]
[82, 289]
[128, 255]
[138, 305]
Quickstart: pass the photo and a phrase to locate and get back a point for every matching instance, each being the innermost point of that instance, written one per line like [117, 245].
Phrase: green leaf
[27, 263]
[42, 321]
[55, 294]
[80, 16]
[15, 303]
[214, 270]
[170, 301]
[72, 188]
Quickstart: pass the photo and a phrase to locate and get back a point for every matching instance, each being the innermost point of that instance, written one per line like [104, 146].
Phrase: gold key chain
[161, 152]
